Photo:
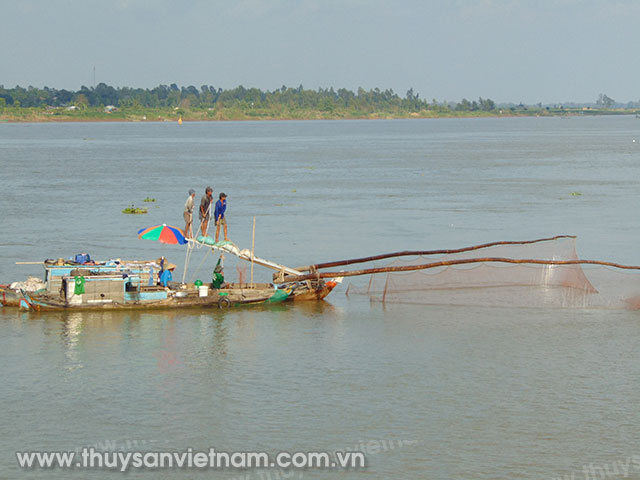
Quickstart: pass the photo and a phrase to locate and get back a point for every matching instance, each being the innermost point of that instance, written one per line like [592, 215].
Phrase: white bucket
[203, 290]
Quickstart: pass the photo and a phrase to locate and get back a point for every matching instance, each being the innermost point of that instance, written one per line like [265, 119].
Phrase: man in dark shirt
[221, 206]
[205, 210]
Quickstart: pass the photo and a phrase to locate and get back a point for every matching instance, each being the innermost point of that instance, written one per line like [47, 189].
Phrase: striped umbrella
[163, 233]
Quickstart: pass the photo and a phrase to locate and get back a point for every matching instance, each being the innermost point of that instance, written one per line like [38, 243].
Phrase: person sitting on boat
[166, 274]
[218, 276]
[221, 207]
[205, 210]
[188, 214]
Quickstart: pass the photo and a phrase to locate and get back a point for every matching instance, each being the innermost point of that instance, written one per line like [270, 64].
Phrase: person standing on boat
[188, 214]
[217, 281]
[205, 210]
[221, 206]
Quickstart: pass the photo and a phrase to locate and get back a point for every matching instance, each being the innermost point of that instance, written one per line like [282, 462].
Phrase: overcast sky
[508, 50]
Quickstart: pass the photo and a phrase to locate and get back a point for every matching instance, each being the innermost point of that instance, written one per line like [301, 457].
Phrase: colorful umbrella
[163, 233]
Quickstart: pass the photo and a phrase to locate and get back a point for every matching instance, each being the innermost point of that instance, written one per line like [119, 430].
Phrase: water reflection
[70, 333]
[214, 335]
[167, 355]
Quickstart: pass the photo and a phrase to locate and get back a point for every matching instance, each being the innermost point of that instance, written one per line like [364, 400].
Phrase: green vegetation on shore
[168, 103]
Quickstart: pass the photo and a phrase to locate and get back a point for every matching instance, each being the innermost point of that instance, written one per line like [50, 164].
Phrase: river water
[433, 392]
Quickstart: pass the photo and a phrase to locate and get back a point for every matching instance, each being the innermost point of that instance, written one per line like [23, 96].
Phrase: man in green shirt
[218, 276]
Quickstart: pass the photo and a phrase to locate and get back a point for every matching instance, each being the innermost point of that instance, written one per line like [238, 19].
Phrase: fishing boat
[81, 283]
[117, 284]
[541, 272]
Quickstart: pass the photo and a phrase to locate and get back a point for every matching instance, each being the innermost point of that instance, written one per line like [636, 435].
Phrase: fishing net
[493, 283]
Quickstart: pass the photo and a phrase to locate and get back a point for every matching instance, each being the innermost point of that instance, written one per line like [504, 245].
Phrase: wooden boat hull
[311, 293]
[9, 297]
[221, 298]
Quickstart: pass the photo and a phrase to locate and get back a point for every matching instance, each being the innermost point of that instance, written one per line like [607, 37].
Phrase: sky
[530, 51]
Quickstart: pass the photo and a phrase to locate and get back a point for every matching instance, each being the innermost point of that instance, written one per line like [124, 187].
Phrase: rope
[191, 245]
[201, 262]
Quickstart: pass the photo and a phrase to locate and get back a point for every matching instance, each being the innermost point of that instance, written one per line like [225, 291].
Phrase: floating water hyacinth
[134, 210]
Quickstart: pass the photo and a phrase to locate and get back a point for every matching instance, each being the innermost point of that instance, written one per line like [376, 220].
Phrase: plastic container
[72, 298]
[203, 290]
[82, 258]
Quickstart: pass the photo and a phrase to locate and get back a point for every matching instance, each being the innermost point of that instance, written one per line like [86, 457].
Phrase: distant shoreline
[168, 103]
[28, 115]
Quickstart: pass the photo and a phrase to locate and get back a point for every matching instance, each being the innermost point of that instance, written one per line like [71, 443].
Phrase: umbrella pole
[253, 245]
[186, 261]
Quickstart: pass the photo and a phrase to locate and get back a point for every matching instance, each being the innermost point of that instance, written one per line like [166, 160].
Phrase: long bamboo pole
[429, 252]
[443, 263]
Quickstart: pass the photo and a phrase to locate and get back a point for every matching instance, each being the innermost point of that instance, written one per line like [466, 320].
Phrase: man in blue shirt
[221, 206]
[165, 275]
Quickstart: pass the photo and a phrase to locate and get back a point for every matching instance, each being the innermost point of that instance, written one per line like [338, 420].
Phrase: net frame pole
[406, 253]
[444, 263]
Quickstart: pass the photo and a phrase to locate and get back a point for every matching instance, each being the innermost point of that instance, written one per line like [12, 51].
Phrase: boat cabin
[54, 274]
[108, 288]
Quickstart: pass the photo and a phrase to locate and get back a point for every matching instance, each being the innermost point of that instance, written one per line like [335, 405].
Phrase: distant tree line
[173, 96]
